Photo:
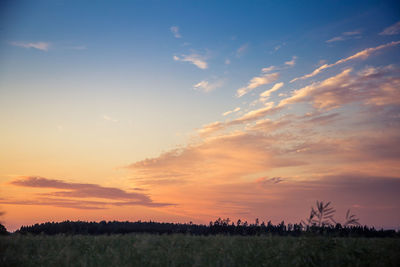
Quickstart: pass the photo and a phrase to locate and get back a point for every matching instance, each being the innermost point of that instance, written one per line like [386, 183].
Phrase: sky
[183, 111]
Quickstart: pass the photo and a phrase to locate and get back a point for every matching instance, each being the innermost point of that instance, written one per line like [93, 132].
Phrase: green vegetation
[190, 250]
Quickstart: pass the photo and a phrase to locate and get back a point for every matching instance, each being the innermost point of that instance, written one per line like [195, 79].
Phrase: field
[187, 250]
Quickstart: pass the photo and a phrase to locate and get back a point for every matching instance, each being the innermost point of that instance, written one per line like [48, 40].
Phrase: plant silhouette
[351, 219]
[322, 216]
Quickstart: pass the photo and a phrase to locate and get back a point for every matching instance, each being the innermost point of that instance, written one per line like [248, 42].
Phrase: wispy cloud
[243, 48]
[264, 78]
[266, 94]
[269, 69]
[175, 31]
[211, 128]
[206, 86]
[196, 59]
[108, 118]
[277, 47]
[360, 55]
[391, 30]
[43, 46]
[248, 117]
[345, 36]
[257, 114]
[292, 62]
[231, 111]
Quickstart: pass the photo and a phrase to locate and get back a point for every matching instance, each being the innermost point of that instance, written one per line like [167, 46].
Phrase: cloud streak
[230, 111]
[360, 55]
[345, 36]
[391, 30]
[42, 46]
[206, 86]
[257, 81]
[266, 94]
[195, 59]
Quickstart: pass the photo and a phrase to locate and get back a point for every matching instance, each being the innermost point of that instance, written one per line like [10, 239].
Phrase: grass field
[186, 250]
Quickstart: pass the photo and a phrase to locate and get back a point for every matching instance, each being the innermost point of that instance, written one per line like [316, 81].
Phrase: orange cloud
[229, 157]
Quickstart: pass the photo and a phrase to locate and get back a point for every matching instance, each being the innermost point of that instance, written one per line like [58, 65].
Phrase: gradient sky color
[194, 110]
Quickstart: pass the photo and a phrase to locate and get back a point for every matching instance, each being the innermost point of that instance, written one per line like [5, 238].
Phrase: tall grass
[187, 250]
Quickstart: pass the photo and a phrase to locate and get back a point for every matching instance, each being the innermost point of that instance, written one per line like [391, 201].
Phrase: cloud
[211, 128]
[292, 62]
[215, 159]
[324, 119]
[268, 125]
[297, 156]
[43, 46]
[250, 116]
[108, 118]
[257, 81]
[70, 191]
[242, 49]
[360, 55]
[268, 69]
[227, 62]
[197, 60]
[267, 180]
[206, 86]
[279, 46]
[391, 30]
[335, 39]
[372, 86]
[265, 77]
[175, 31]
[255, 114]
[352, 33]
[345, 36]
[266, 94]
[62, 203]
[77, 47]
[231, 111]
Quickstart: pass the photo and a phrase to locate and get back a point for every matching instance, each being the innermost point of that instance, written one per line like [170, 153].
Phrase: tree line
[219, 226]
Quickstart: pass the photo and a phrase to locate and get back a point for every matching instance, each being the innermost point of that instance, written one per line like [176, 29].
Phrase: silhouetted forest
[220, 226]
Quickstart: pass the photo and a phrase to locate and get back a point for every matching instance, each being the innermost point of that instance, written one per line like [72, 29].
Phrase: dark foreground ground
[187, 250]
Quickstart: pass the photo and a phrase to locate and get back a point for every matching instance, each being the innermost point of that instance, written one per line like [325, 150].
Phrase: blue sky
[126, 47]
[87, 87]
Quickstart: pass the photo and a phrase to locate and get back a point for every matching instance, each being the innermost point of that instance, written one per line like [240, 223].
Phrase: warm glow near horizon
[190, 111]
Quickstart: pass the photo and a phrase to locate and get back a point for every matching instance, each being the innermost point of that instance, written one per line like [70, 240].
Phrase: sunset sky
[185, 111]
